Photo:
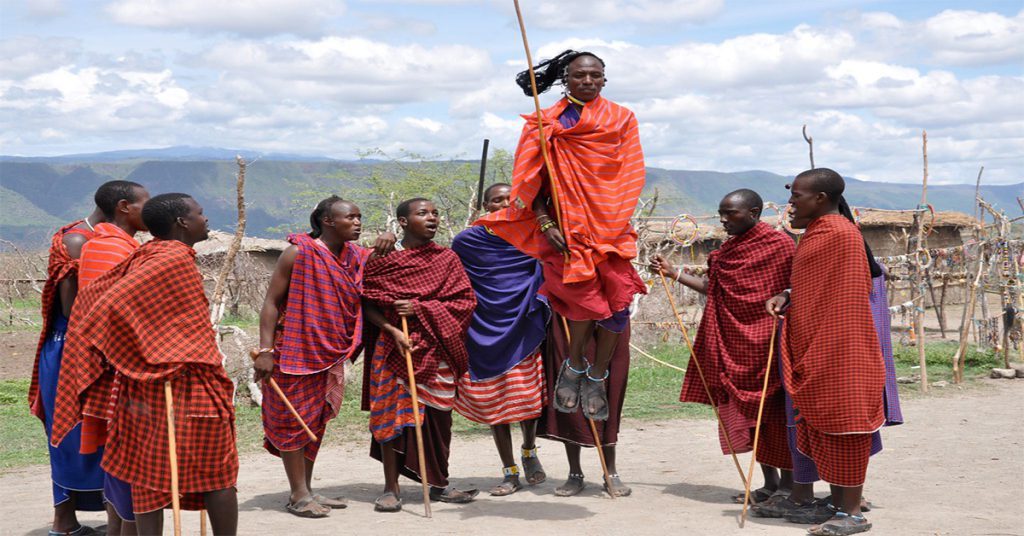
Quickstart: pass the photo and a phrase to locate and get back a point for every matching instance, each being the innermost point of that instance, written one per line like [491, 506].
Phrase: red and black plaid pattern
[433, 277]
[735, 331]
[204, 422]
[59, 267]
[842, 460]
[323, 321]
[772, 443]
[316, 397]
[830, 352]
[148, 321]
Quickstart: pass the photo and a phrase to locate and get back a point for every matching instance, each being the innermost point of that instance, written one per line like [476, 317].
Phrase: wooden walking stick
[703, 381]
[172, 450]
[202, 522]
[419, 423]
[757, 427]
[287, 403]
[553, 187]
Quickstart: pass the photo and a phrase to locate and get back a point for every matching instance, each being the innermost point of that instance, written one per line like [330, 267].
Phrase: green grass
[653, 394]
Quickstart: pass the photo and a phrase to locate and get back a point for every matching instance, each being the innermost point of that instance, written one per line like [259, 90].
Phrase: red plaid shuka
[148, 321]
[323, 321]
[732, 341]
[59, 267]
[830, 352]
[433, 277]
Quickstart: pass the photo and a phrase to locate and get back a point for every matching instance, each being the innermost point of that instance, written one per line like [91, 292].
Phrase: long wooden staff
[553, 187]
[287, 403]
[757, 428]
[419, 429]
[703, 381]
[172, 450]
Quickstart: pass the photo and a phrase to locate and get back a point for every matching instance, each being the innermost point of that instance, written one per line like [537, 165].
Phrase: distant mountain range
[37, 194]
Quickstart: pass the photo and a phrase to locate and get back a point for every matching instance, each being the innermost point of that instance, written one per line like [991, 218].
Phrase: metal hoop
[927, 255]
[675, 237]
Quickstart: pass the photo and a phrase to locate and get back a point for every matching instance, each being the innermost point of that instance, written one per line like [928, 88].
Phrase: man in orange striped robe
[575, 217]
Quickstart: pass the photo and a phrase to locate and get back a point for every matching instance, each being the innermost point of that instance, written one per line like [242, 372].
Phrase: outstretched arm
[659, 263]
[270, 313]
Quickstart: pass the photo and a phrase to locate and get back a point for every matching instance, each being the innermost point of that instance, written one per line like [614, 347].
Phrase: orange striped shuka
[107, 249]
[599, 168]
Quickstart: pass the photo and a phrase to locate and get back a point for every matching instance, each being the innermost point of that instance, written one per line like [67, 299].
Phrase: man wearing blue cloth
[505, 382]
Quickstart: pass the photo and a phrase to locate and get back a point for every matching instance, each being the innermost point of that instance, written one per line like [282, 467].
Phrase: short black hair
[495, 186]
[160, 213]
[109, 193]
[750, 198]
[317, 216]
[826, 181]
[403, 208]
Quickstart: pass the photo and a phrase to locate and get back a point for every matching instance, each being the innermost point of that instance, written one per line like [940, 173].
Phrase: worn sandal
[388, 502]
[756, 496]
[775, 509]
[817, 511]
[452, 495]
[567, 388]
[573, 486]
[532, 467]
[337, 503]
[82, 530]
[594, 397]
[842, 524]
[307, 508]
[620, 489]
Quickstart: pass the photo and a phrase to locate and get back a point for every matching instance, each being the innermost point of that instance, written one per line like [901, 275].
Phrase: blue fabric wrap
[510, 319]
[70, 471]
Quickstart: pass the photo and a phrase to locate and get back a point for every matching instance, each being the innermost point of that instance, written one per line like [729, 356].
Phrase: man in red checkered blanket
[143, 324]
[831, 358]
[425, 285]
[311, 324]
[732, 342]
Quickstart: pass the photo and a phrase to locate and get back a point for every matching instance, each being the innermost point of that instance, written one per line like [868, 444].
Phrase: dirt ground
[953, 469]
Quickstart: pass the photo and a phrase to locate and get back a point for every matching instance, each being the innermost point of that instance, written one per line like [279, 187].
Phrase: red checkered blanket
[732, 341]
[432, 276]
[830, 352]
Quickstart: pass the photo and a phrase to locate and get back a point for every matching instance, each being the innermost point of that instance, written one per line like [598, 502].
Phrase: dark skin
[809, 204]
[128, 216]
[584, 80]
[498, 198]
[418, 229]
[221, 504]
[737, 217]
[341, 224]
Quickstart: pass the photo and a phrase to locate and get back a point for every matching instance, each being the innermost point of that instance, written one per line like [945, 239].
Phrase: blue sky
[716, 84]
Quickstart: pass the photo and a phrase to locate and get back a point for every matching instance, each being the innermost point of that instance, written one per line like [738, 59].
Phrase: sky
[720, 85]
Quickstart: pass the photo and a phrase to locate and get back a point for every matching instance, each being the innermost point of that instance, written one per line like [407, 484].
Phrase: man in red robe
[732, 342]
[311, 323]
[424, 285]
[831, 358]
[581, 232]
[146, 325]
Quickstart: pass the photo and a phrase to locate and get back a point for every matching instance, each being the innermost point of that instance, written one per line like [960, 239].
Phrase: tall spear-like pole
[553, 187]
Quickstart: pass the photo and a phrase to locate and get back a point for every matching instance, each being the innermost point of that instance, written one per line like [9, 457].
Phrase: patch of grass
[939, 359]
[653, 390]
[22, 439]
[244, 321]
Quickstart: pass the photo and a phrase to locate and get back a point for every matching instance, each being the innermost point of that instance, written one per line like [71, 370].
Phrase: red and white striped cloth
[516, 396]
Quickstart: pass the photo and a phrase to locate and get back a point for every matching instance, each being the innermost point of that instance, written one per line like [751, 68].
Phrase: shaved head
[746, 198]
[823, 180]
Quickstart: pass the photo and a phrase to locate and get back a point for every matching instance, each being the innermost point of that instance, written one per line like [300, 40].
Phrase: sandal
[759, 495]
[306, 507]
[82, 530]
[452, 495]
[388, 502]
[595, 398]
[842, 524]
[775, 509]
[567, 388]
[573, 486]
[511, 483]
[532, 467]
[336, 503]
[817, 511]
[621, 490]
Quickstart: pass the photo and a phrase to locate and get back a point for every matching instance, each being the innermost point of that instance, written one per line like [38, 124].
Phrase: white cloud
[246, 17]
[24, 56]
[973, 38]
[583, 13]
